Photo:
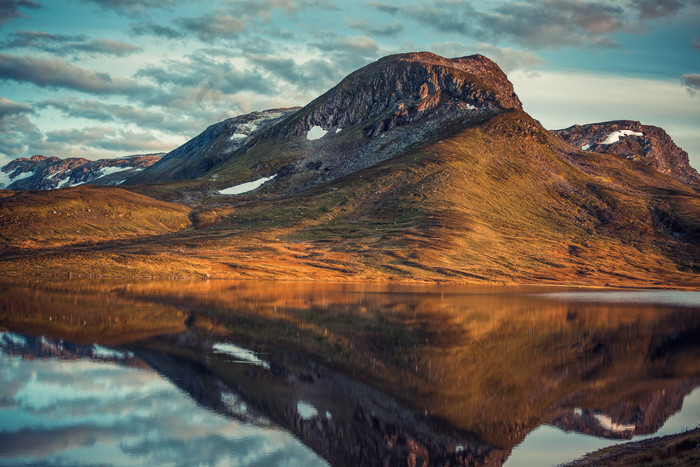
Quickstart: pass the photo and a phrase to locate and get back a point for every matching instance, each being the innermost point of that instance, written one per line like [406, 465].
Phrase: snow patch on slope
[615, 136]
[104, 171]
[246, 187]
[241, 354]
[306, 410]
[316, 132]
[6, 179]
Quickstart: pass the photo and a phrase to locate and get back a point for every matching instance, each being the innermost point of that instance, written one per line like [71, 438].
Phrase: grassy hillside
[500, 201]
[83, 215]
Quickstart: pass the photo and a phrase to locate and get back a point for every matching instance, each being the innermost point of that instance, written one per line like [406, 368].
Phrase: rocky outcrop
[405, 88]
[48, 173]
[635, 141]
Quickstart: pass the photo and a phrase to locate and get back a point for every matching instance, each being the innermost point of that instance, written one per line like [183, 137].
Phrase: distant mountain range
[415, 167]
[48, 173]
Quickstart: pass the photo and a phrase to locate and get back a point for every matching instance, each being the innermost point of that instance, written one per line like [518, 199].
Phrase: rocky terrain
[48, 173]
[415, 167]
[644, 143]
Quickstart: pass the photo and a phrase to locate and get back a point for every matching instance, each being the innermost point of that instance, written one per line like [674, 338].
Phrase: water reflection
[367, 373]
[65, 404]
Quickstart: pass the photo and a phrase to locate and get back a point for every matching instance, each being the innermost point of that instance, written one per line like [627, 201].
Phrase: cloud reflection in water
[75, 412]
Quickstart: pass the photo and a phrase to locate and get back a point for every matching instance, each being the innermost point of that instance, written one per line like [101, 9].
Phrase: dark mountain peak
[636, 141]
[404, 88]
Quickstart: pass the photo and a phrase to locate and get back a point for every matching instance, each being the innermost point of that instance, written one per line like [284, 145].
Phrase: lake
[147, 372]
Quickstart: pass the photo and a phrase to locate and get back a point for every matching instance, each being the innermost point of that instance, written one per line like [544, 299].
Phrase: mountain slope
[208, 149]
[418, 181]
[48, 173]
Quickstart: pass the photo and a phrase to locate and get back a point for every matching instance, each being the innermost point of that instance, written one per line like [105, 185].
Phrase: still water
[264, 373]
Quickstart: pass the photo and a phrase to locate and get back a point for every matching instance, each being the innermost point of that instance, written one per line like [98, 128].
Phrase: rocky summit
[413, 168]
[637, 142]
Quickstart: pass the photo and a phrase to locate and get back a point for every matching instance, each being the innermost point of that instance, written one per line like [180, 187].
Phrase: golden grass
[501, 202]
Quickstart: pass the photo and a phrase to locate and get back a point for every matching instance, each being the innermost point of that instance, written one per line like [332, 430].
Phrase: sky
[108, 78]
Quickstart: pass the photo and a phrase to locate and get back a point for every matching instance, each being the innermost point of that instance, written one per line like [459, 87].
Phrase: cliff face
[634, 141]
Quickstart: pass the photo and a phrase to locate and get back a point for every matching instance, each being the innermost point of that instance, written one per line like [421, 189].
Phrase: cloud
[8, 107]
[60, 44]
[653, 9]
[383, 30]
[508, 59]
[349, 44]
[131, 7]
[210, 74]
[692, 82]
[15, 127]
[536, 24]
[214, 25]
[154, 29]
[10, 9]
[58, 73]
[140, 117]
[236, 17]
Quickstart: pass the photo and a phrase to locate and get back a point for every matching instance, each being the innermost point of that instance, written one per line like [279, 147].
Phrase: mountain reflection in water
[363, 374]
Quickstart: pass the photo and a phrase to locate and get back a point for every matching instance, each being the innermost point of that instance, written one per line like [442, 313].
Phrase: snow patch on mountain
[615, 136]
[6, 179]
[246, 187]
[104, 171]
[316, 132]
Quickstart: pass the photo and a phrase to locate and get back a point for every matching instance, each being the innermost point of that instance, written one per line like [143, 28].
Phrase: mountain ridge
[39, 172]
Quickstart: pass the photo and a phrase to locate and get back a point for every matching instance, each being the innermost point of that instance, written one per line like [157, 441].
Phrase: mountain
[415, 167]
[48, 173]
[213, 146]
[374, 114]
[646, 143]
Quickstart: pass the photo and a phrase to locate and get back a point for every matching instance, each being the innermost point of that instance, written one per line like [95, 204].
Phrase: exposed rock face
[404, 88]
[634, 141]
[48, 173]
[208, 149]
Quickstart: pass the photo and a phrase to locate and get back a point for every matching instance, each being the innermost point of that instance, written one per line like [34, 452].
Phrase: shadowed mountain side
[377, 112]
